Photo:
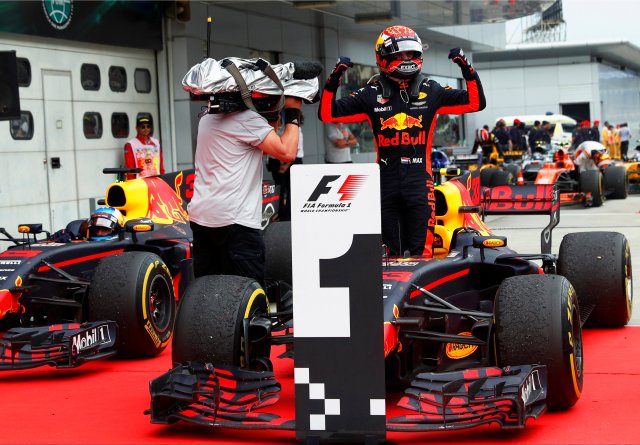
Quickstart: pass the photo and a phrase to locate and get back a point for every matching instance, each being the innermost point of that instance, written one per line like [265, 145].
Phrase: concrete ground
[523, 231]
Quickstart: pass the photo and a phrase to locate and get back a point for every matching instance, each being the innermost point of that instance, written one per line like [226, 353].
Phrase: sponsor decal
[14, 253]
[400, 121]
[152, 333]
[403, 138]
[7, 270]
[325, 199]
[422, 95]
[396, 275]
[382, 100]
[3, 278]
[10, 262]
[165, 206]
[400, 263]
[396, 312]
[58, 12]
[531, 388]
[268, 189]
[89, 339]
[456, 351]
[493, 242]
[381, 109]
[386, 286]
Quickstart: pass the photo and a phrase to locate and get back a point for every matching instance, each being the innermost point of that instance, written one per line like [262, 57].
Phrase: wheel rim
[256, 337]
[160, 304]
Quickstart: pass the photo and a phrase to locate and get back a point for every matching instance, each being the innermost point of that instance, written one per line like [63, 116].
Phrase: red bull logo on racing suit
[399, 122]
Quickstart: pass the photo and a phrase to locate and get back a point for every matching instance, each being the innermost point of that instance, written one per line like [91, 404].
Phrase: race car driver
[401, 105]
[104, 223]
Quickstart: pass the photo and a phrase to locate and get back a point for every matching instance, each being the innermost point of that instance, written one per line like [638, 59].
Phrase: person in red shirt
[144, 151]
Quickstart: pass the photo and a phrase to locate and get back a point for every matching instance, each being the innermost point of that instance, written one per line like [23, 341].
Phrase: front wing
[232, 397]
[62, 346]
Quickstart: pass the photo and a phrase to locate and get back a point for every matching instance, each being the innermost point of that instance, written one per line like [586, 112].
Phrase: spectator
[339, 143]
[625, 136]
[144, 151]
[595, 131]
[226, 209]
[534, 136]
[503, 137]
[516, 134]
[486, 141]
[580, 134]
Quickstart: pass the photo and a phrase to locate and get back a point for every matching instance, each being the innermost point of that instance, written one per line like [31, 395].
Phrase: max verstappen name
[90, 338]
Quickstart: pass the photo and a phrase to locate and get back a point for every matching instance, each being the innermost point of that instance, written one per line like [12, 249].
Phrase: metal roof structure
[622, 55]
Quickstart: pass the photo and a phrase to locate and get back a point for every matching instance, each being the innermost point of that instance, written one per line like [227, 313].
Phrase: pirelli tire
[134, 289]
[616, 182]
[598, 264]
[591, 181]
[224, 319]
[277, 243]
[537, 320]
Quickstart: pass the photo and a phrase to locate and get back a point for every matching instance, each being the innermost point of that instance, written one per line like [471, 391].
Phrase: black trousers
[229, 250]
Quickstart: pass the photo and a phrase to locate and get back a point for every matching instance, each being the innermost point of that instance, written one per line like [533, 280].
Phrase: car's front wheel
[537, 320]
[224, 319]
[135, 290]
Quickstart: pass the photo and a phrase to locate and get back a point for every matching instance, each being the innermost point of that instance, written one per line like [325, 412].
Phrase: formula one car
[495, 169]
[477, 334]
[589, 186]
[60, 302]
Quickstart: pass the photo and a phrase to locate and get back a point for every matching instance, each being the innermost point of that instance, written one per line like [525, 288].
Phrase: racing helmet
[397, 39]
[439, 160]
[104, 223]
[601, 158]
[483, 135]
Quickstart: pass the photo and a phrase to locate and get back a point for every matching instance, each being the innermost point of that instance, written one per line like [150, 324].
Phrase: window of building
[142, 80]
[92, 125]
[117, 79]
[22, 129]
[449, 130]
[90, 77]
[354, 79]
[120, 125]
[23, 70]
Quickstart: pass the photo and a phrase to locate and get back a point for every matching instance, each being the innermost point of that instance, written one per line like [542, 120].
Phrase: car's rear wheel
[277, 243]
[135, 290]
[616, 182]
[537, 320]
[598, 264]
[224, 319]
[591, 182]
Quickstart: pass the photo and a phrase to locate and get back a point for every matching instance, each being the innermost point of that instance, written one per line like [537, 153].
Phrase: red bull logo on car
[400, 121]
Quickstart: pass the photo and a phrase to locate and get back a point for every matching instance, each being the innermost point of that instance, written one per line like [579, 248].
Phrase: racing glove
[62, 236]
[333, 82]
[457, 56]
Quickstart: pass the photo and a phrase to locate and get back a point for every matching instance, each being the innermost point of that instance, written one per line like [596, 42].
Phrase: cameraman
[226, 209]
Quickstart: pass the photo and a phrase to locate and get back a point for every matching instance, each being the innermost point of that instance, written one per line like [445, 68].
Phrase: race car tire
[502, 177]
[211, 323]
[598, 264]
[486, 177]
[277, 243]
[591, 182]
[134, 289]
[616, 182]
[537, 320]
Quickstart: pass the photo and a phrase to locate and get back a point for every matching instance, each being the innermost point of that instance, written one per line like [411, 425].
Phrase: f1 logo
[348, 190]
[321, 188]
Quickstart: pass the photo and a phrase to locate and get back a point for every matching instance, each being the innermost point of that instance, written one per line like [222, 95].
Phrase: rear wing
[537, 199]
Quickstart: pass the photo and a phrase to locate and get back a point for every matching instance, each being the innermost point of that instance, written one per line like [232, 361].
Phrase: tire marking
[144, 290]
